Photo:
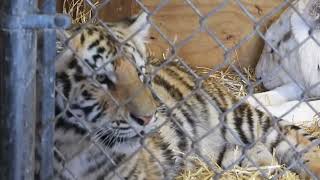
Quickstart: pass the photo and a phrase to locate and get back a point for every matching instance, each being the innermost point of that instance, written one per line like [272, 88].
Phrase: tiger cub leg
[292, 146]
[279, 95]
[295, 148]
[280, 138]
[296, 113]
[257, 156]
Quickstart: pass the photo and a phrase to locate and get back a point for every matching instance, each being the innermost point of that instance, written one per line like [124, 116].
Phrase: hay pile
[237, 173]
[233, 82]
[79, 10]
[81, 13]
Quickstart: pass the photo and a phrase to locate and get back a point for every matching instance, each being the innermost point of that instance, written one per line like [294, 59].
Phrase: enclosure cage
[214, 41]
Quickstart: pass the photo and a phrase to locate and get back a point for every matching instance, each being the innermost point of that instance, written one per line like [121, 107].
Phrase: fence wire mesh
[86, 146]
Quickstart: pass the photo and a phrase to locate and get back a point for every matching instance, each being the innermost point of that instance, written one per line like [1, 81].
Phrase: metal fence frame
[27, 96]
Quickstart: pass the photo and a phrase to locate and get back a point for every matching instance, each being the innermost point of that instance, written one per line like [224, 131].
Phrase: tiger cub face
[98, 86]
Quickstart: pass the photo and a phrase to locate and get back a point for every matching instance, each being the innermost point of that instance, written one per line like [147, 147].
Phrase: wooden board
[177, 20]
[111, 11]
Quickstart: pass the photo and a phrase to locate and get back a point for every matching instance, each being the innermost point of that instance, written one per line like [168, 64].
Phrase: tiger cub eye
[101, 78]
[104, 79]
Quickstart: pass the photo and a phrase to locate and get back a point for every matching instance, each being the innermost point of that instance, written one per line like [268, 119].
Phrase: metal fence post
[19, 96]
[45, 92]
[17, 93]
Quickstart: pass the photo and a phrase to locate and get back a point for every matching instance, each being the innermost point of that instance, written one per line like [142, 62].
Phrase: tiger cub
[116, 121]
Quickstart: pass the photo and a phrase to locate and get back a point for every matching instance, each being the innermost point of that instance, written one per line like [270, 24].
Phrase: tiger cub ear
[140, 23]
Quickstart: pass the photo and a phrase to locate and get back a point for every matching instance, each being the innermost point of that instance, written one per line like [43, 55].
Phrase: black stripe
[305, 134]
[266, 124]
[62, 124]
[312, 138]
[128, 53]
[72, 64]
[183, 141]
[92, 65]
[178, 77]
[173, 91]
[107, 56]
[275, 143]
[101, 50]
[242, 158]
[114, 51]
[95, 29]
[94, 44]
[64, 79]
[132, 171]
[78, 68]
[106, 80]
[250, 122]
[190, 120]
[75, 106]
[238, 121]
[78, 77]
[86, 95]
[221, 105]
[101, 35]
[295, 127]
[89, 30]
[261, 120]
[108, 166]
[139, 52]
[96, 57]
[166, 151]
[120, 32]
[109, 43]
[287, 36]
[223, 132]
[221, 156]
[97, 165]
[96, 117]
[221, 95]
[260, 114]
[69, 115]
[129, 45]
[88, 109]
[82, 38]
[173, 74]
[177, 95]
[177, 64]
[204, 107]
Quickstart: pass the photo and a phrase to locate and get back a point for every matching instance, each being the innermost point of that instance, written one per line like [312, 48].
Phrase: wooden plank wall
[178, 21]
[112, 11]
[230, 25]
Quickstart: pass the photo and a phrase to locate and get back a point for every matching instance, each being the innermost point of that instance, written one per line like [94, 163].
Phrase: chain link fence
[80, 131]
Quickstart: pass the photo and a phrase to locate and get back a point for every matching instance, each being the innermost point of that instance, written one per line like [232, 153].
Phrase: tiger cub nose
[141, 120]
